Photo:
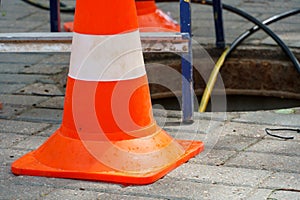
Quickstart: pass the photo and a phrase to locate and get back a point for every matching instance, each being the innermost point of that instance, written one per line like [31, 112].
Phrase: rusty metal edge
[61, 42]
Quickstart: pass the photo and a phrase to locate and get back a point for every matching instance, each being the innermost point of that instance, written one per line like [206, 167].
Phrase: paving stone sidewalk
[240, 161]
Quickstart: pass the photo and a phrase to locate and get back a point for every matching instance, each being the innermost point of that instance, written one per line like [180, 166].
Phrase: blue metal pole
[186, 64]
[54, 16]
[218, 18]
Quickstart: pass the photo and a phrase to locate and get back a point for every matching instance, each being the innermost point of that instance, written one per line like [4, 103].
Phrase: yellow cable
[211, 82]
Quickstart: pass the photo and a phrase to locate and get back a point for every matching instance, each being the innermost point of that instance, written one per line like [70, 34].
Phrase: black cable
[247, 16]
[259, 24]
[225, 54]
[228, 8]
[269, 130]
[254, 29]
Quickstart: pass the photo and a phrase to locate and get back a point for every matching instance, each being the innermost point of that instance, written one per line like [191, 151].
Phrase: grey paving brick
[235, 143]
[9, 88]
[49, 131]
[37, 16]
[128, 197]
[263, 8]
[291, 41]
[73, 194]
[14, 5]
[60, 58]
[8, 191]
[25, 25]
[282, 180]
[213, 157]
[170, 188]
[269, 118]
[42, 115]
[219, 175]
[10, 155]
[5, 172]
[48, 69]
[40, 89]
[258, 194]
[281, 26]
[23, 79]
[23, 100]
[9, 139]
[12, 30]
[53, 102]
[45, 27]
[20, 58]
[10, 111]
[28, 128]
[95, 185]
[204, 40]
[199, 126]
[11, 68]
[245, 130]
[264, 161]
[188, 136]
[219, 116]
[277, 147]
[56, 183]
[285, 195]
[31, 143]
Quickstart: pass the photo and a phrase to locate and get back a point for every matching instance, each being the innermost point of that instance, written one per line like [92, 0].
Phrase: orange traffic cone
[150, 19]
[108, 132]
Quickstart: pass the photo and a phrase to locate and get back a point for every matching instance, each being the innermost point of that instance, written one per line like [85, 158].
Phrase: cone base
[157, 21]
[31, 164]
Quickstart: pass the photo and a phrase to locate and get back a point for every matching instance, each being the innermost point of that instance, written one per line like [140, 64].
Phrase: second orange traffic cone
[150, 19]
[108, 132]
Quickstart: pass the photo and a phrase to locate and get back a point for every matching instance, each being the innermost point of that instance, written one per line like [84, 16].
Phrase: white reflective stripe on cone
[106, 57]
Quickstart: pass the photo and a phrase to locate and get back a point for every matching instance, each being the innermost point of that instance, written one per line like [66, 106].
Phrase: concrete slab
[42, 115]
[11, 68]
[73, 194]
[30, 58]
[10, 88]
[31, 143]
[213, 157]
[40, 89]
[23, 79]
[172, 189]
[10, 111]
[8, 191]
[285, 194]
[280, 180]
[25, 100]
[9, 155]
[49, 131]
[269, 118]
[265, 161]
[220, 175]
[279, 147]
[8, 139]
[44, 69]
[21, 127]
